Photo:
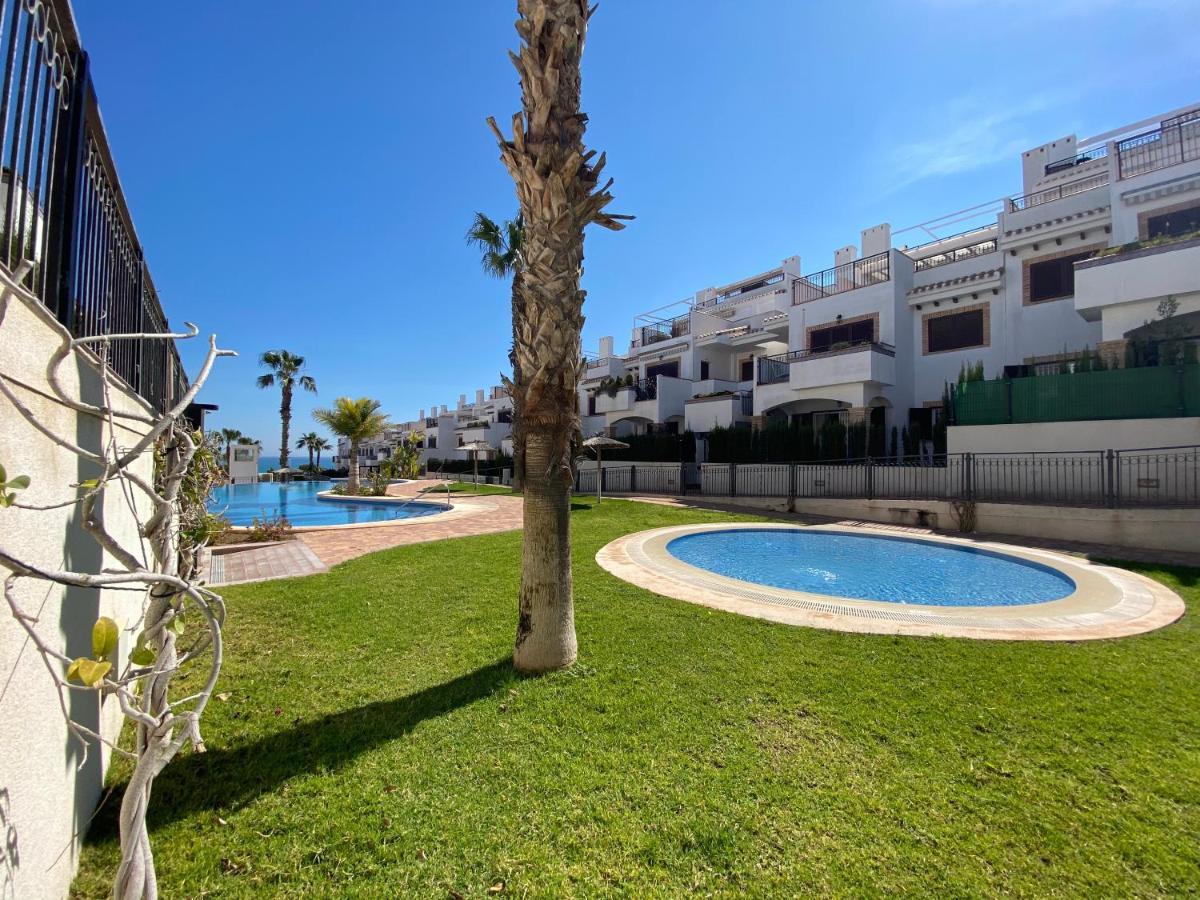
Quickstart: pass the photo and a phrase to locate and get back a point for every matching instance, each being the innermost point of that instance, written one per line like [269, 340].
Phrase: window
[242, 455]
[1053, 279]
[746, 369]
[955, 332]
[1173, 224]
[667, 368]
[704, 370]
[591, 404]
[431, 441]
[832, 336]
[460, 440]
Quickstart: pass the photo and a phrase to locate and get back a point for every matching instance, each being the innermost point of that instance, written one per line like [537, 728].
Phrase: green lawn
[376, 743]
[461, 488]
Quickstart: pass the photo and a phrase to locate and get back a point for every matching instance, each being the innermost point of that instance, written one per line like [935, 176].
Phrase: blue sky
[301, 173]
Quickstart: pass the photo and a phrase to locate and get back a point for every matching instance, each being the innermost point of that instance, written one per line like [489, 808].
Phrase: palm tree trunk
[546, 615]
[556, 181]
[285, 418]
[310, 459]
[518, 429]
[318, 460]
[352, 475]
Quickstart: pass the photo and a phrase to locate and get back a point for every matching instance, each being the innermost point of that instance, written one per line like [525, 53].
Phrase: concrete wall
[46, 798]
[1117, 434]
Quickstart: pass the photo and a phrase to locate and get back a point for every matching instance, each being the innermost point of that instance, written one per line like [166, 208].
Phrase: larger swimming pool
[872, 567]
[297, 501]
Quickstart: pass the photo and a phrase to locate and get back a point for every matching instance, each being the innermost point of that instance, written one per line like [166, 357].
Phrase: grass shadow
[232, 777]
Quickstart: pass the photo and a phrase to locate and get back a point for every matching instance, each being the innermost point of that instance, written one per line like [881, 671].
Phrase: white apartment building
[876, 336]
[442, 432]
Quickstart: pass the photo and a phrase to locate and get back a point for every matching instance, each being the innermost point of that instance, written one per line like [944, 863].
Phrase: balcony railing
[774, 369]
[1087, 156]
[431, 422]
[645, 389]
[847, 277]
[1175, 141]
[663, 331]
[1058, 192]
[64, 209]
[958, 253]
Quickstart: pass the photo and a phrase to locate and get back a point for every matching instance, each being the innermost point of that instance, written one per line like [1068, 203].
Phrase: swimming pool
[297, 501]
[872, 567]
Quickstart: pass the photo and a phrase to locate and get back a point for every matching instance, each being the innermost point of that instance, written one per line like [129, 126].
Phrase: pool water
[297, 502]
[872, 567]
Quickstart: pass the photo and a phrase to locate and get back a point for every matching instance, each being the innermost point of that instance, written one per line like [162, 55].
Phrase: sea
[295, 460]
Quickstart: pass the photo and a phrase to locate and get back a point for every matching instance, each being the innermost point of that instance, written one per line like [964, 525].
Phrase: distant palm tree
[228, 437]
[309, 442]
[321, 444]
[357, 421]
[500, 256]
[285, 368]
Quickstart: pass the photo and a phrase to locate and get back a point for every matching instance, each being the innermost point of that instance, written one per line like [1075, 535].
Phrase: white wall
[48, 798]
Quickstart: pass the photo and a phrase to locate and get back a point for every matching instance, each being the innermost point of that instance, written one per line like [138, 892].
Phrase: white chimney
[479, 395]
[791, 266]
[444, 409]
[876, 240]
[462, 400]
[422, 415]
[606, 347]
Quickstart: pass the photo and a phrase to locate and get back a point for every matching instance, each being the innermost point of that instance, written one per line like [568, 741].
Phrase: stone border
[457, 510]
[1107, 603]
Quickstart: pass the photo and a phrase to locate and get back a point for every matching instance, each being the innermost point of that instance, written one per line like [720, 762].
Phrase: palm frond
[265, 381]
[308, 383]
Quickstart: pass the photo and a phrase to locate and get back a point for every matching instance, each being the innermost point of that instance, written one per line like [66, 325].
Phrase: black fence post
[682, 479]
[870, 479]
[578, 472]
[791, 484]
[1110, 473]
[66, 185]
[603, 480]
[1008, 383]
[733, 479]
[633, 479]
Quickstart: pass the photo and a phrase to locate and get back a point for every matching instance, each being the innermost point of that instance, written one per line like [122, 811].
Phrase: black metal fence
[1058, 192]
[63, 208]
[1175, 141]
[1151, 477]
[981, 248]
[846, 277]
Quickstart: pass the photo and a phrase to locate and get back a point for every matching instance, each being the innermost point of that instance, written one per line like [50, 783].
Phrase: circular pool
[299, 503]
[881, 581]
[871, 567]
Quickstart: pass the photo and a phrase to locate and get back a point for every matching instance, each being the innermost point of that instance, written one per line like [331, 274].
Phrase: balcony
[720, 410]
[1087, 156]
[1175, 141]
[1058, 192]
[1145, 272]
[655, 399]
[431, 422]
[745, 290]
[847, 277]
[866, 361]
[656, 332]
[970, 251]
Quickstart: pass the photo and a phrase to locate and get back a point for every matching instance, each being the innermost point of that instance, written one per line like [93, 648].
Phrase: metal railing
[1175, 141]
[958, 253]
[662, 331]
[64, 210]
[1148, 477]
[747, 288]
[1087, 156]
[1058, 192]
[847, 277]
[645, 389]
[774, 369]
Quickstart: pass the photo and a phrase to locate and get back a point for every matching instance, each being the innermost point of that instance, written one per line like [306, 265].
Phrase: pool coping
[1107, 603]
[456, 510]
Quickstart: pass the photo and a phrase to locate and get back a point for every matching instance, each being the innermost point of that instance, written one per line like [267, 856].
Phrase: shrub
[269, 528]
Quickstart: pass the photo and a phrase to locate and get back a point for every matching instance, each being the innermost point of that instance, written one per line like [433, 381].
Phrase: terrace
[842, 363]
[1175, 141]
[865, 272]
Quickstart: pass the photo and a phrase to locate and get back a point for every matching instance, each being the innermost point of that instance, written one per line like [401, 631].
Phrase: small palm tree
[357, 421]
[285, 369]
[228, 437]
[309, 442]
[500, 256]
[321, 444]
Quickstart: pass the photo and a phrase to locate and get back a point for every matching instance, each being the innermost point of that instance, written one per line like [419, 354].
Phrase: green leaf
[73, 670]
[7, 499]
[105, 635]
[142, 656]
[175, 626]
[91, 672]
[3, 475]
[19, 483]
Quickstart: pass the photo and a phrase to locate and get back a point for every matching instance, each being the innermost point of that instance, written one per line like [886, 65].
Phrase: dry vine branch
[166, 575]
